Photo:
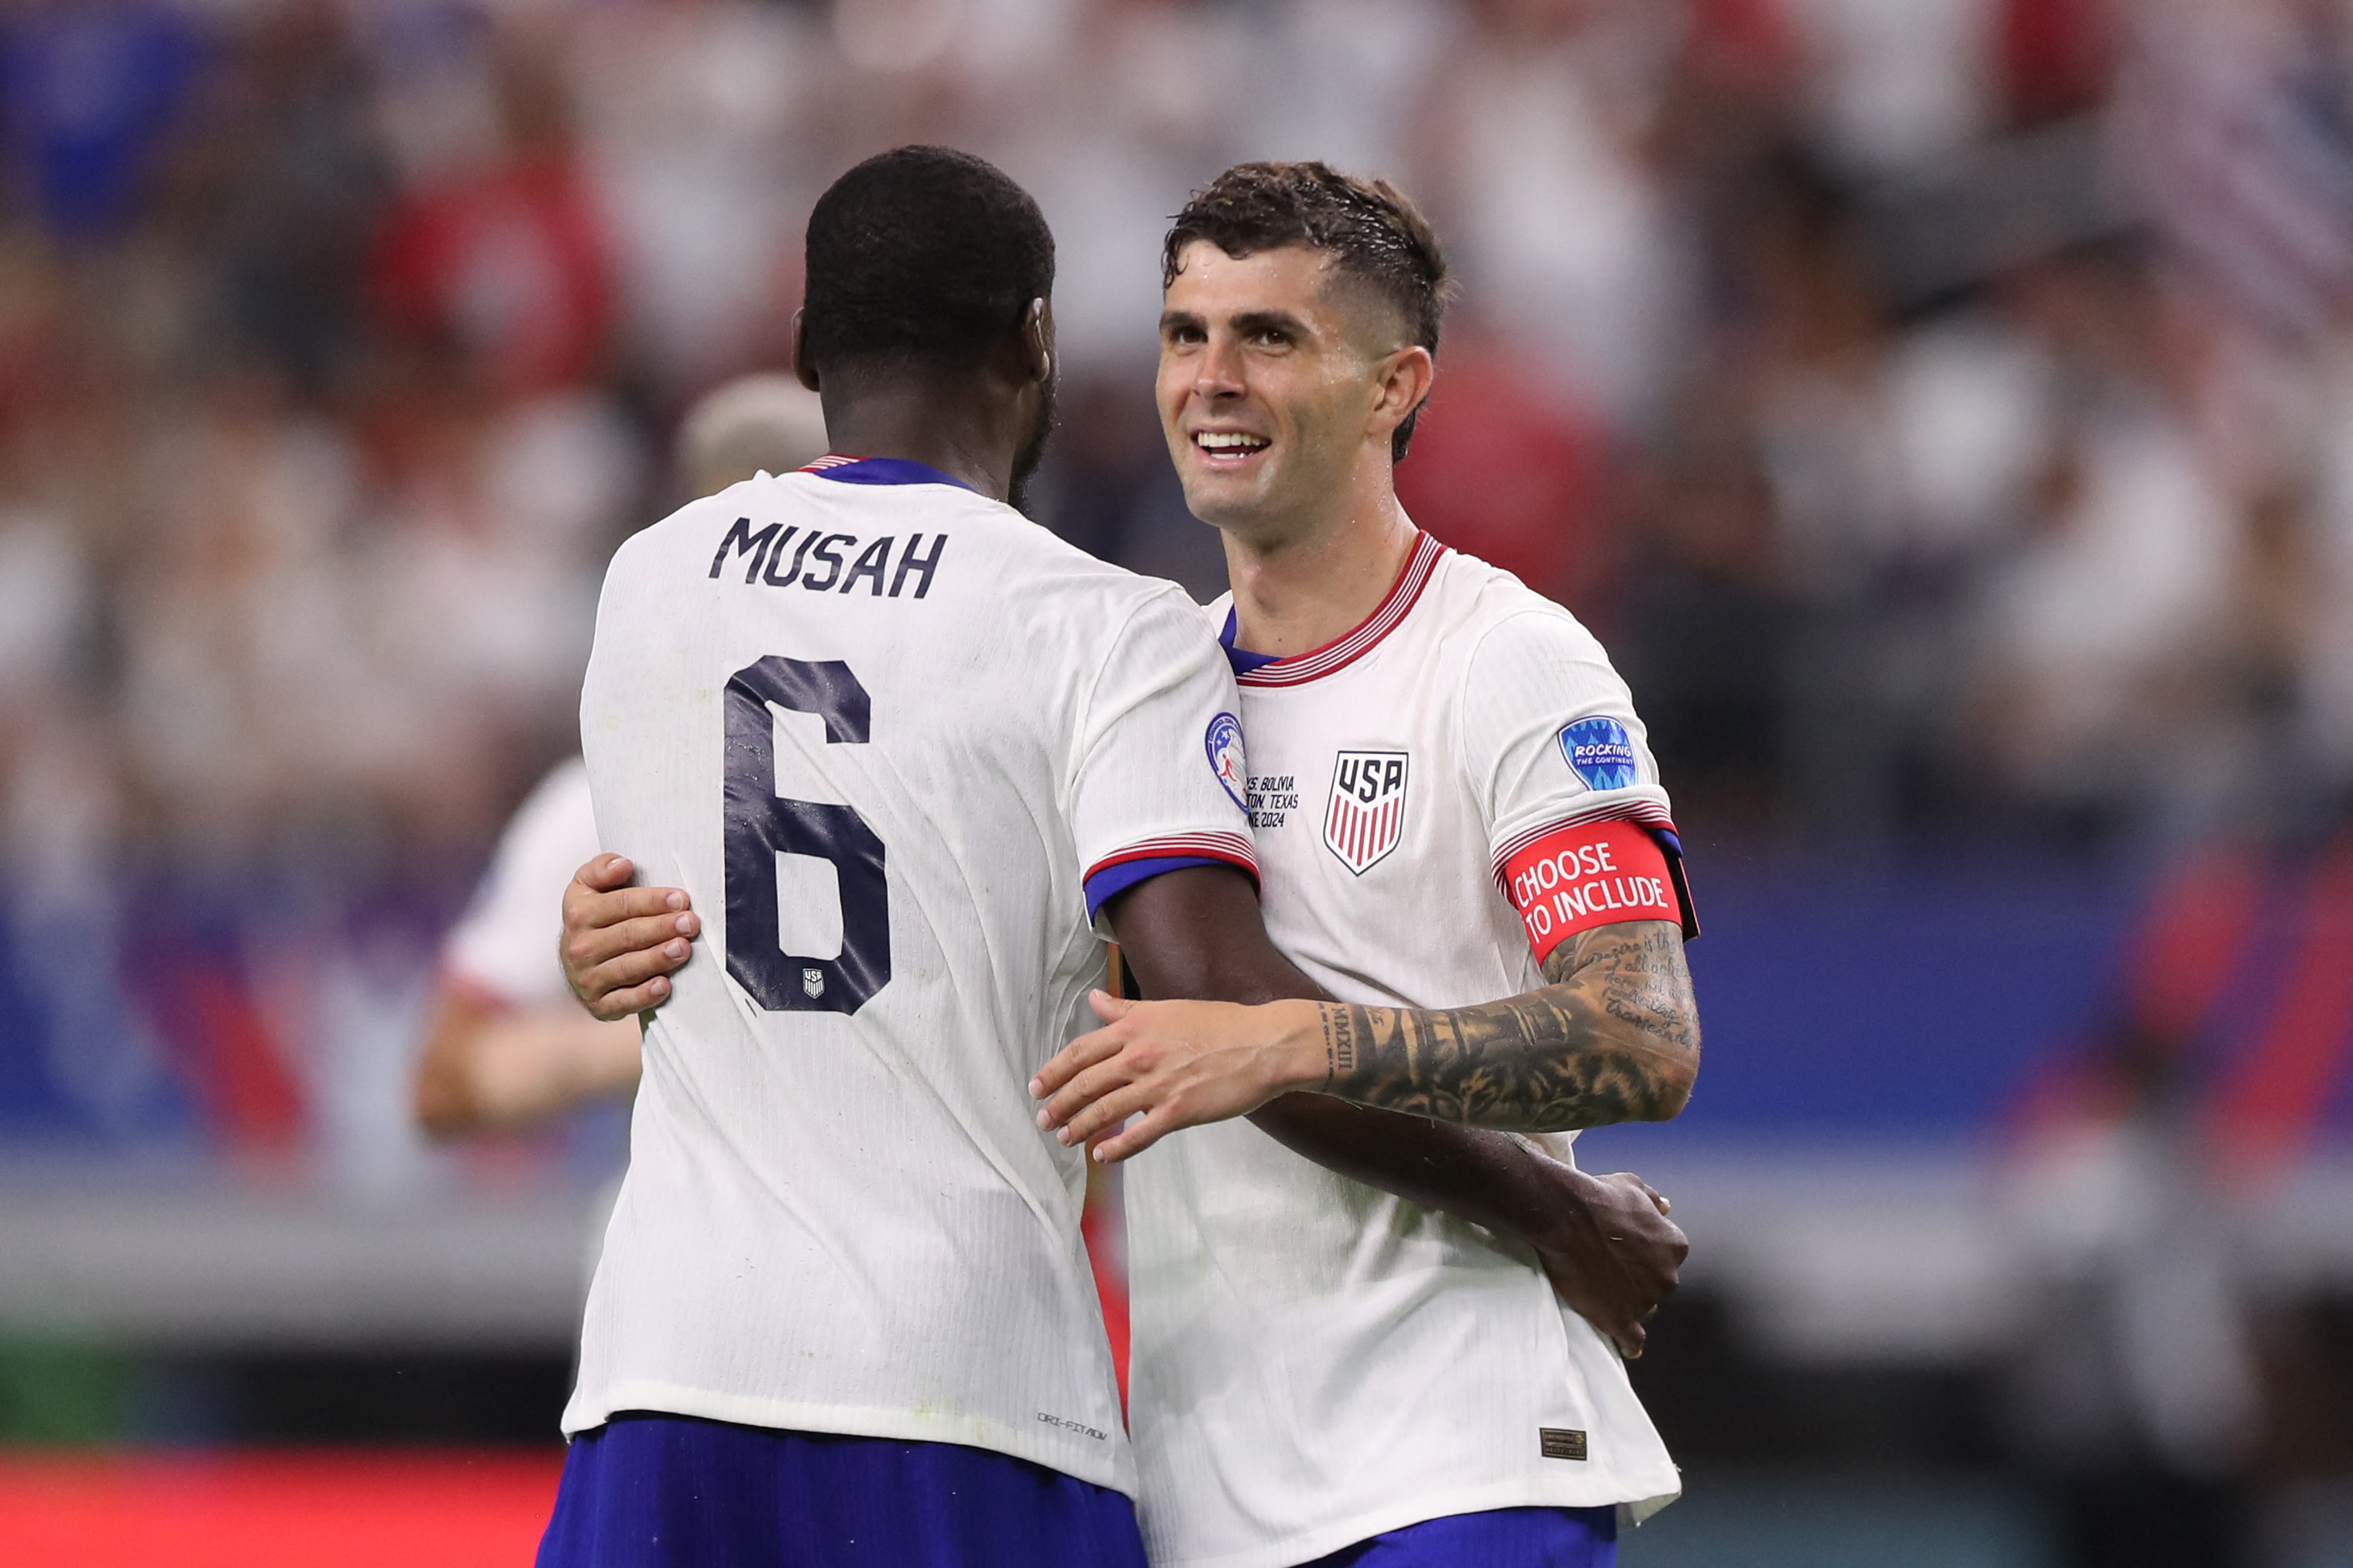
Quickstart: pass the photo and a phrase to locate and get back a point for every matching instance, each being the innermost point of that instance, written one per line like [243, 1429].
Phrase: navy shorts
[1503, 1538]
[646, 1489]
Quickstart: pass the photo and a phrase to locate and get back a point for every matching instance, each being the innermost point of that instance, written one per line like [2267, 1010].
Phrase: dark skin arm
[1604, 1241]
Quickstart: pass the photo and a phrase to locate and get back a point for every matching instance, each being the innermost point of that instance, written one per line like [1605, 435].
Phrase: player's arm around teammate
[1604, 1241]
[1614, 1037]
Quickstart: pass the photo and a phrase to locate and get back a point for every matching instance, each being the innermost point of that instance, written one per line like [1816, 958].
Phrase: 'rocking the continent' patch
[1600, 753]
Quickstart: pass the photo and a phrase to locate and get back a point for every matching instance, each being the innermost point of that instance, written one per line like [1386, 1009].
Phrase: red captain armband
[1592, 874]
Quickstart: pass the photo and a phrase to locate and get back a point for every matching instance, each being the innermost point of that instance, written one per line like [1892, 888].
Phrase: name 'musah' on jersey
[828, 562]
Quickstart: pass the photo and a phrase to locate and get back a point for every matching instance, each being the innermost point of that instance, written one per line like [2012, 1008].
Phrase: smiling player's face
[1268, 396]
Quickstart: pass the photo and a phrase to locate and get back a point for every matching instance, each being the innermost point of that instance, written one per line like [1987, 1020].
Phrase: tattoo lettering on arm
[1614, 1037]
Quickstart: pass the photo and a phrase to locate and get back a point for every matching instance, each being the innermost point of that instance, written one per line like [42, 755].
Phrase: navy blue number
[760, 826]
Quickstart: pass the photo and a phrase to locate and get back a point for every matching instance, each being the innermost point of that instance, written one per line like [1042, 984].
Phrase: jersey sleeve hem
[1231, 848]
[1113, 880]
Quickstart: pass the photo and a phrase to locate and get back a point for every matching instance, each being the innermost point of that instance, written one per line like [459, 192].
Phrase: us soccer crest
[813, 982]
[1366, 816]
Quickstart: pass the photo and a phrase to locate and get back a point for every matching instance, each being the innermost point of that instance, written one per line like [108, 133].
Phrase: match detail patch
[1224, 742]
[1593, 874]
[1601, 753]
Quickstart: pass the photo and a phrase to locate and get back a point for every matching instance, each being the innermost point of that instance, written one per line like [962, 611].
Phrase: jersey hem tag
[1561, 1442]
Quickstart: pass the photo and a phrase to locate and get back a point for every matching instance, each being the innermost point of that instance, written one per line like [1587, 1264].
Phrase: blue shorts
[644, 1490]
[1503, 1538]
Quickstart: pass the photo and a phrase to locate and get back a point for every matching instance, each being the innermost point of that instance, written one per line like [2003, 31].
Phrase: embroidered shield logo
[813, 982]
[1366, 816]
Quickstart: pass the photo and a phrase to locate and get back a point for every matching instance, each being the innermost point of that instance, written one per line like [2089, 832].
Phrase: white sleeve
[1158, 770]
[505, 944]
[1550, 734]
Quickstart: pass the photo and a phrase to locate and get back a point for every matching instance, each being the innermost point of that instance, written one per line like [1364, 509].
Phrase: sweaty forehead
[1298, 280]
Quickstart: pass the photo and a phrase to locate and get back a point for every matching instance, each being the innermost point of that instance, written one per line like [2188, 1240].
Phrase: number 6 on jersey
[761, 825]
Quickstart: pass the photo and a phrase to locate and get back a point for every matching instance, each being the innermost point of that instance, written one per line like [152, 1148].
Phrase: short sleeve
[1580, 830]
[1159, 773]
[505, 944]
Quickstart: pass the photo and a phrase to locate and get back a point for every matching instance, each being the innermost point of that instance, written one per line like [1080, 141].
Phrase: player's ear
[803, 367]
[1407, 375]
[1038, 340]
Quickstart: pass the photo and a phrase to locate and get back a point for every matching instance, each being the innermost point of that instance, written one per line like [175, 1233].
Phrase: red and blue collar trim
[1265, 669]
[880, 471]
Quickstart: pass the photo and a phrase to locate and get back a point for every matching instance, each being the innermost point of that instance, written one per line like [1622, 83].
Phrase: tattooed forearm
[1615, 1037]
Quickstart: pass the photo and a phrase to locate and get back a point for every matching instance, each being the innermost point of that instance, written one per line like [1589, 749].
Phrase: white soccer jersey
[505, 945]
[881, 732]
[1315, 1361]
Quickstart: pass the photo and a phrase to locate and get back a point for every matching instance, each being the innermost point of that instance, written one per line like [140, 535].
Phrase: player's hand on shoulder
[620, 943]
[1172, 1065]
[1612, 1253]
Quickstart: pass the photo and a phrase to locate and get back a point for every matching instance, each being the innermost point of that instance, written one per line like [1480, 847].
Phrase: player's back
[879, 732]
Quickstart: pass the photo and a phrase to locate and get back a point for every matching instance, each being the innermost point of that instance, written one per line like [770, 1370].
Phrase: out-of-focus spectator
[1536, 161]
[758, 424]
[90, 90]
[699, 123]
[509, 257]
[1504, 467]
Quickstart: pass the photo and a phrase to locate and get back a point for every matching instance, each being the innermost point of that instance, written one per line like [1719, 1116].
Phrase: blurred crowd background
[1943, 409]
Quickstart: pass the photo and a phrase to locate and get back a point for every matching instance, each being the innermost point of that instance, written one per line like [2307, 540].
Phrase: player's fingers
[605, 872]
[1113, 1105]
[645, 936]
[1111, 1009]
[1138, 1135]
[633, 968]
[615, 1005]
[1072, 1061]
[1104, 1071]
[587, 911]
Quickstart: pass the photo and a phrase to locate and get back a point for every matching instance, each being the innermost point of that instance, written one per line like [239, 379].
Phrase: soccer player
[1453, 801]
[506, 1044]
[1602, 1243]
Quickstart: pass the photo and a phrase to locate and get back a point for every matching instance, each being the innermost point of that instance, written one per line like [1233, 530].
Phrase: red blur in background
[357, 1509]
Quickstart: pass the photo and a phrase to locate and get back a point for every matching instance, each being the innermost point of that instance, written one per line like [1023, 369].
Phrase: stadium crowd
[1943, 409]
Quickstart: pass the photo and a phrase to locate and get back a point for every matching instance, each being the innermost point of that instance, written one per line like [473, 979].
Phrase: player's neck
[962, 436]
[1296, 589]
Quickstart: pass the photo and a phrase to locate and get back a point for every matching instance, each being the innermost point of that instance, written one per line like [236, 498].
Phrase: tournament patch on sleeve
[1593, 874]
[1224, 742]
[1601, 753]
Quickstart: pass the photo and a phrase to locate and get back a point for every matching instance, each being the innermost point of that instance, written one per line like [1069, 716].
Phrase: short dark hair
[924, 253]
[1372, 232]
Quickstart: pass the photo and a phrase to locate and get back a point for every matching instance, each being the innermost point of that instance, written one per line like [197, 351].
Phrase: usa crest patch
[1600, 752]
[1224, 742]
[1366, 814]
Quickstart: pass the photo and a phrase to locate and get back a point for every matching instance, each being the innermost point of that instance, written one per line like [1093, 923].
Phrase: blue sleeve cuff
[1113, 880]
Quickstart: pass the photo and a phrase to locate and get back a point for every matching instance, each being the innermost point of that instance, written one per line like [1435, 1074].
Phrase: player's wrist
[1296, 1058]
